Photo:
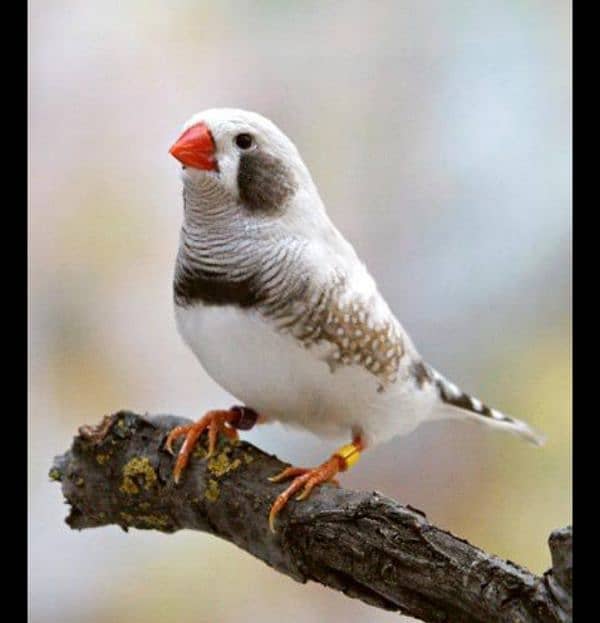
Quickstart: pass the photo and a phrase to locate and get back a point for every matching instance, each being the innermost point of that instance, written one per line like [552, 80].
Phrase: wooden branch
[360, 543]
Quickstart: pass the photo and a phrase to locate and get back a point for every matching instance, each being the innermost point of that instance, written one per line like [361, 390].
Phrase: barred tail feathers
[468, 406]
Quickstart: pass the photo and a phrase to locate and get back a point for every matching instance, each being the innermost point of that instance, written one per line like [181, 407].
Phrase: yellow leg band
[350, 453]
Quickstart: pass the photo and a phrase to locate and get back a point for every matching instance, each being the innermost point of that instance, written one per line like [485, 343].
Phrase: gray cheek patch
[264, 182]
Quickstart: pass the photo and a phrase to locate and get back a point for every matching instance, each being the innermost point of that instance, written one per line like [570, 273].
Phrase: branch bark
[363, 544]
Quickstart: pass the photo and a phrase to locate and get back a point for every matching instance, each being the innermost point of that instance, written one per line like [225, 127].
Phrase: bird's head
[247, 192]
[244, 156]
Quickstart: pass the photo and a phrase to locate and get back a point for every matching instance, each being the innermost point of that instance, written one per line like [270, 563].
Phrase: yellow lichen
[55, 474]
[158, 521]
[221, 464]
[248, 458]
[200, 452]
[212, 491]
[128, 486]
[101, 459]
[138, 468]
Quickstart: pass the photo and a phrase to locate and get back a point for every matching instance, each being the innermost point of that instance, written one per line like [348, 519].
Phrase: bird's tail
[468, 406]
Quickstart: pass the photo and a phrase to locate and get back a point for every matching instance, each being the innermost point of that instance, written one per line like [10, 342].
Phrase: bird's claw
[304, 480]
[287, 473]
[214, 421]
[173, 434]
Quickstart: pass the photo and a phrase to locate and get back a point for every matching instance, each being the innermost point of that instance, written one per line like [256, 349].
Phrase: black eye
[244, 141]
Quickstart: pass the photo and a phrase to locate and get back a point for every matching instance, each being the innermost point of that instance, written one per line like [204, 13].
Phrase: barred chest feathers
[329, 360]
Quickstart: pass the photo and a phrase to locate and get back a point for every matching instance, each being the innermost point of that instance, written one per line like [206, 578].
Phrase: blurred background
[439, 134]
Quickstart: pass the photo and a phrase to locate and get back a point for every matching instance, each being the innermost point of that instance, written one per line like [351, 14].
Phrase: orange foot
[308, 478]
[226, 422]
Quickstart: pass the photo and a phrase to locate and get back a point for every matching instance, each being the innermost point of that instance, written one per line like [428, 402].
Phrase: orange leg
[309, 478]
[226, 422]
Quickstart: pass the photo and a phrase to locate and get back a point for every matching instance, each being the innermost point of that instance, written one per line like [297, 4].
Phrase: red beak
[196, 148]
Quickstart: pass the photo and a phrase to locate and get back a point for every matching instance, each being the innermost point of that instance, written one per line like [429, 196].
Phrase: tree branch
[362, 544]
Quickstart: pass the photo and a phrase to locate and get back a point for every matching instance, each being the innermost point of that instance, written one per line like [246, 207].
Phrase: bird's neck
[228, 258]
[217, 228]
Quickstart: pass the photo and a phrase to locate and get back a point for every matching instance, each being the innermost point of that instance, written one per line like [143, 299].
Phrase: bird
[283, 314]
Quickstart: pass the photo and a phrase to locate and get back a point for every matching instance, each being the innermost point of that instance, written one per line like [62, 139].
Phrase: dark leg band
[245, 418]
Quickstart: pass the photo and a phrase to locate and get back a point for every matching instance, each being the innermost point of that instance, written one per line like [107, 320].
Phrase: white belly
[281, 379]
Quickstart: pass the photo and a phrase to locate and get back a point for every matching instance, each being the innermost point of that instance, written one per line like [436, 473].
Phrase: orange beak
[196, 148]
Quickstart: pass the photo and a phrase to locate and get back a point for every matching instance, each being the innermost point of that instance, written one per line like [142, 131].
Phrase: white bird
[282, 313]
